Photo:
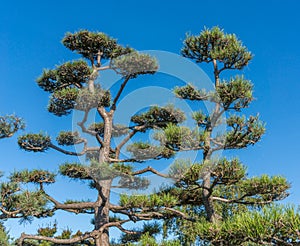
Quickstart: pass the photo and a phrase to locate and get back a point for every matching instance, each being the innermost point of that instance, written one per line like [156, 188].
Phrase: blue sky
[30, 34]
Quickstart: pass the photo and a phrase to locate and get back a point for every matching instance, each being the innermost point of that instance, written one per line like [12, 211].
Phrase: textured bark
[104, 186]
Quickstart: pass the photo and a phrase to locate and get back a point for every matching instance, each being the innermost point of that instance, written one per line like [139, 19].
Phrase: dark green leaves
[117, 130]
[159, 117]
[272, 225]
[235, 94]
[214, 44]
[69, 74]
[180, 138]
[9, 124]
[144, 201]
[133, 64]
[92, 44]
[244, 132]
[75, 171]
[265, 188]
[63, 101]
[33, 176]
[68, 138]
[144, 151]
[189, 92]
[87, 100]
[34, 142]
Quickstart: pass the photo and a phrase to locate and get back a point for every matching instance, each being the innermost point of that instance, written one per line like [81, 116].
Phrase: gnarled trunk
[103, 185]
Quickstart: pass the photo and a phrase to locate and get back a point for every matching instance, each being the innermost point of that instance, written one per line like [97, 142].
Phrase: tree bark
[103, 186]
[102, 213]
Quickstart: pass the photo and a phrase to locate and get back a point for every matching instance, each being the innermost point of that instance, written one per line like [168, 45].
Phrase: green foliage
[151, 201]
[201, 118]
[191, 93]
[4, 237]
[134, 64]
[151, 229]
[118, 130]
[273, 225]
[25, 204]
[62, 101]
[228, 172]
[34, 142]
[265, 188]
[90, 44]
[87, 100]
[143, 151]
[214, 44]
[159, 117]
[33, 176]
[68, 138]
[48, 231]
[74, 171]
[9, 124]
[235, 94]
[68, 75]
[244, 132]
[180, 138]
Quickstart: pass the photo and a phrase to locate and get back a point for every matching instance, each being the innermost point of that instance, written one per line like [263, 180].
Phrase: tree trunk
[104, 185]
[102, 213]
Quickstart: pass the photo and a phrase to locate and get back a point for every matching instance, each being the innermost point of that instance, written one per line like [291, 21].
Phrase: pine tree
[72, 86]
[229, 207]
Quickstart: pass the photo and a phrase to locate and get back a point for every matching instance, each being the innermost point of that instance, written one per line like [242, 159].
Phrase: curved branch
[93, 234]
[240, 201]
[85, 130]
[113, 106]
[9, 214]
[111, 224]
[150, 169]
[66, 152]
[71, 207]
[125, 160]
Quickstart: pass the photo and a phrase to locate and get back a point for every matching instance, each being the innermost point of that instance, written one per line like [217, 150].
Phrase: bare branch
[240, 201]
[150, 169]
[113, 106]
[103, 68]
[71, 207]
[84, 151]
[93, 234]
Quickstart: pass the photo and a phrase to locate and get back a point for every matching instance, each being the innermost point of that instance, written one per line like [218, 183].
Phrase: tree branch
[85, 236]
[71, 207]
[66, 152]
[221, 199]
[113, 106]
[150, 169]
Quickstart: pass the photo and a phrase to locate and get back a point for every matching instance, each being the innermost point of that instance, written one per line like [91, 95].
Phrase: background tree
[226, 204]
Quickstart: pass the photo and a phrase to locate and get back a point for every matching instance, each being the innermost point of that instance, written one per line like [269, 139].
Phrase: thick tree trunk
[102, 213]
[207, 201]
[104, 185]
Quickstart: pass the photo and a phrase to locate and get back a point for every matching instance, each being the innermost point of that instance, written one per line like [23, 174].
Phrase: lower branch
[87, 235]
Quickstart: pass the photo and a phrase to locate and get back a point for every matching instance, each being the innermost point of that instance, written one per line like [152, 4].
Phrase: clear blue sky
[30, 34]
